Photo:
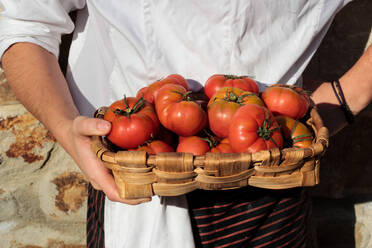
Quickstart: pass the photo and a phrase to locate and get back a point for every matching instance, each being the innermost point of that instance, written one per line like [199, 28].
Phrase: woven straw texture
[138, 174]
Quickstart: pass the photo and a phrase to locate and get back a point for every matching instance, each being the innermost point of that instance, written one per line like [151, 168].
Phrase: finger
[104, 180]
[90, 126]
[98, 175]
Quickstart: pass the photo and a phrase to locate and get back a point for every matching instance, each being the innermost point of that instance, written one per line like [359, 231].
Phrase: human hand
[99, 176]
[48, 98]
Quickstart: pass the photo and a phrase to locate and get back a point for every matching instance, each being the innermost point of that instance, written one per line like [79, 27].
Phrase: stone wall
[43, 194]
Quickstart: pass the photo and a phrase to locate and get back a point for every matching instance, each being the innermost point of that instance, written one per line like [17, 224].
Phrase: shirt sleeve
[38, 21]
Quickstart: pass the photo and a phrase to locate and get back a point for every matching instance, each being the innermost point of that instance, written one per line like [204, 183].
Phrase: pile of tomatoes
[229, 115]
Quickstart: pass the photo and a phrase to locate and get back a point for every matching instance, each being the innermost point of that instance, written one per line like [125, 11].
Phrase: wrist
[339, 94]
[329, 108]
[62, 131]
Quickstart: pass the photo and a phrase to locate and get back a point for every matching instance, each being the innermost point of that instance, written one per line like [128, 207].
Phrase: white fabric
[163, 222]
[49, 19]
[120, 46]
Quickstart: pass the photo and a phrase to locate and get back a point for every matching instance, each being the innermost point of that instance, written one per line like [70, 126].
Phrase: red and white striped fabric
[249, 217]
[95, 218]
[237, 218]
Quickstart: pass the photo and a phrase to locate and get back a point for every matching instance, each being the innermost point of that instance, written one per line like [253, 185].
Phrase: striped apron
[246, 217]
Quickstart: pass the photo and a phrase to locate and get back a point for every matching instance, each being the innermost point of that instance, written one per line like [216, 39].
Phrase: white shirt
[120, 46]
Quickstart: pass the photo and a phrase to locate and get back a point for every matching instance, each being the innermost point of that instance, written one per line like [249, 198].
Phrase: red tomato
[133, 121]
[194, 145]
[146, 94]
[223, 147]
[300, 91]
[177, 112]
[253, 128]
[180, 138]
[149, 92]
[176, 79]
[286, 100]
[223, 105]
[294, 132]
[217, 81]
[155, 147]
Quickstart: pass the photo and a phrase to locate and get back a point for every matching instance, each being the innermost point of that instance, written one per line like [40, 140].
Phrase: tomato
[253, 128]
[180, 138]
[177, 112]
[112, 112]
[235, 95]
[176, 79]
[223, 105]
[149, 92]
[146, 94]
[223, 147]
[218, 81]
[155, 147]
[286, 100]
[299, 90]
[193, 144]
[294, 132]
[133, 121]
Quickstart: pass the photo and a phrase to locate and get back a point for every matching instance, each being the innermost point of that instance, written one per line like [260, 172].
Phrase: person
[121, 46]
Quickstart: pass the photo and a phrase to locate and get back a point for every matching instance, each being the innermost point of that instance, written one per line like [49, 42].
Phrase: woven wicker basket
[140, 175]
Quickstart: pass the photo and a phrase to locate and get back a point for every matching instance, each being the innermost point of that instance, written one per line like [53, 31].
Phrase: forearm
[357, 83]
[357, 87]
[36, 79]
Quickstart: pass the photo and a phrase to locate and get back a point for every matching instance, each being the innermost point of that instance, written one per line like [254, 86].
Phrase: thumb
[90, 126]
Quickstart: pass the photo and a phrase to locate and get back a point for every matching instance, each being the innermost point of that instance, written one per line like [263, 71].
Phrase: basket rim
[319, 146]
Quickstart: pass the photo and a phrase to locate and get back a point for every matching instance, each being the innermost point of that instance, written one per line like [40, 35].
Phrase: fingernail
[103, 125]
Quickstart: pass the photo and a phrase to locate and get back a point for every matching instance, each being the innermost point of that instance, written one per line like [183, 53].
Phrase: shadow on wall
[346, 170]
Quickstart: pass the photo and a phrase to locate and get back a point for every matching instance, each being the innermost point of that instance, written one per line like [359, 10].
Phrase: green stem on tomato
[129, 111]
[265, 131]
